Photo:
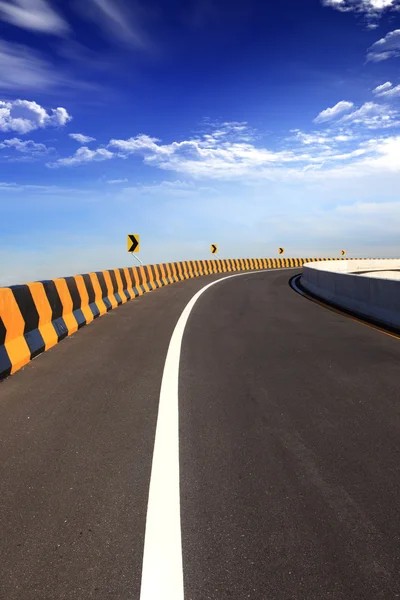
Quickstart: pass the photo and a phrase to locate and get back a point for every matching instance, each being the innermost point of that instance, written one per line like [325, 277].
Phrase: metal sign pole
[137, 258]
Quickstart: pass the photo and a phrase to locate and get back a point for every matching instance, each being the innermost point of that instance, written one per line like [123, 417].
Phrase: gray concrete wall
[338, 283]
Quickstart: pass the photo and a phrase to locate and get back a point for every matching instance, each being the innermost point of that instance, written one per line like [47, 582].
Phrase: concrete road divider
[340, 284]
[36, 316]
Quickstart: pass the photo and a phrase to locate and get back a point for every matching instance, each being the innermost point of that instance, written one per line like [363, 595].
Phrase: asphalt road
[289, 428]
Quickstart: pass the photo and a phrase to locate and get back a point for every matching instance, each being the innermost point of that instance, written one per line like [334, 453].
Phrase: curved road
[289, 428]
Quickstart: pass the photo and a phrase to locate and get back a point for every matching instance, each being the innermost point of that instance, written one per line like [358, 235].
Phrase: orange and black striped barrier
[36, 316]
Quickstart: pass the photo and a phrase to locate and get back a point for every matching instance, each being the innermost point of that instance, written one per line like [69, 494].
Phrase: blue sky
[250, 124]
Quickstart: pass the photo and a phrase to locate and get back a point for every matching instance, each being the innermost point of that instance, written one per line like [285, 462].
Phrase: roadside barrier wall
[36, 316]
[369, 297]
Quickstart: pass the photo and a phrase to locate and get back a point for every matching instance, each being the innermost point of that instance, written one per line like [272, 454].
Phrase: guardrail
[36, 316]
[373, 298]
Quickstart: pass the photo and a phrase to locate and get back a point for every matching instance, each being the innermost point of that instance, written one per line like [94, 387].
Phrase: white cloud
[140, 142]
[332, 113]
[34, 15]
[369, 115]
[385, 155]
[382, 88]
[83, 155]
[386, 90]
[372, 116]
[371, 9]
[112, 181]
[326, 138]
[385, 48]
[220, 153]
[24, 116]
[82, 139]
[28, 146]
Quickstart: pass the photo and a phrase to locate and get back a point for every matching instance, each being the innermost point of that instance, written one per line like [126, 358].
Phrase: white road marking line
[162, 571]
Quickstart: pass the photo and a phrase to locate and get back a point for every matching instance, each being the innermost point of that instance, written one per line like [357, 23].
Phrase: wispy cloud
[115, 181]
[335, 111]
[11, 186]
[24, 116]
[385, 48]
[82, 139]
[116, 20]
[34, 15]
[22, 68]
[83, 155]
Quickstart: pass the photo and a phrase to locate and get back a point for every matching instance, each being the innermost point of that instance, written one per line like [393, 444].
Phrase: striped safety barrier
[36, 316]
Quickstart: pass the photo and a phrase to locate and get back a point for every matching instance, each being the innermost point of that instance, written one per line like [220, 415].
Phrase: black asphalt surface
[289, 449]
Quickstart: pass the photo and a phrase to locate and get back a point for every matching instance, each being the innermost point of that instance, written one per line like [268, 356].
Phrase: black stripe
[103, 285]
[153, 276]
[114, 281]
[148, 275]
[26, 305]
[54, 299]
[161, 279]
[198, 263]
[56, 308]
[75, 295]
[5, 362]
[140, 276]
[91, 299]
[89, 288]
[132, 277]
[123, 278]
[178, 276]
[2, 332]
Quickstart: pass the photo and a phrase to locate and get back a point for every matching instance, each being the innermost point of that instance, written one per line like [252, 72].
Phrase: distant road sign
[281, 250]
[214, 248]
[133, 242]
[343, 252]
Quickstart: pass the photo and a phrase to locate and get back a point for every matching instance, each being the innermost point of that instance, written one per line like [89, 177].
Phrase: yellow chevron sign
[214, 248]
[343, 252]
[281, 250]
[133, 242]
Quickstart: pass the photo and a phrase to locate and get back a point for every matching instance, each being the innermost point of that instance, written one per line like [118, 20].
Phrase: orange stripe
[15, 344]
[44, 310]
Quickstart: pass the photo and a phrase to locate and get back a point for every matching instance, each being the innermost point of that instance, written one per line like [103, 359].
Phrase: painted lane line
[162, 571]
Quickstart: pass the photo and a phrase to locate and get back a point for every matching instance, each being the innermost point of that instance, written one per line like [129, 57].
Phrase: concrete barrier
[369, 297]
[36, 316]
